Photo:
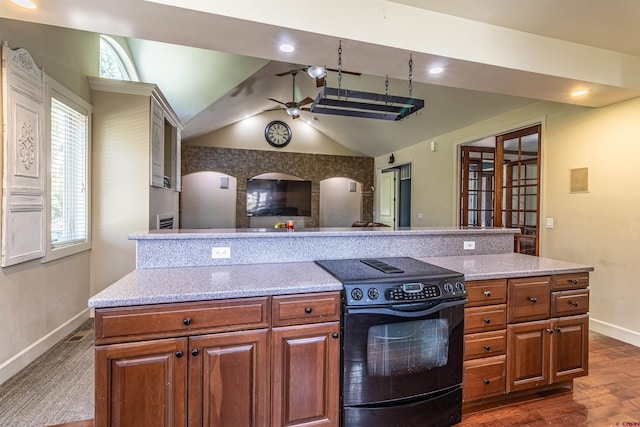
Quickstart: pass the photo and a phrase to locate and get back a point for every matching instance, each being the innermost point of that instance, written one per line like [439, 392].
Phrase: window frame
[125, 61]
[53, 89]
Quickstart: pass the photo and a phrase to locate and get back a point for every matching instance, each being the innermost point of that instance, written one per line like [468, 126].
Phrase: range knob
[448, 287]
[460, 286]
[357, 294]
[373, 293]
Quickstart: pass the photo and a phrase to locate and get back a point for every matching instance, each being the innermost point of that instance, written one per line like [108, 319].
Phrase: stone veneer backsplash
[245, 164]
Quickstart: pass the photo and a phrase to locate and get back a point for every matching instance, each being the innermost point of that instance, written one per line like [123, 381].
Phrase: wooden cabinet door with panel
[570, 358]
[306, 375]
[229, 379]
[529, 353]
[143, 383]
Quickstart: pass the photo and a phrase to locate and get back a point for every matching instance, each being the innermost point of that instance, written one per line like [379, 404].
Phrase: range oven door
[401, 352]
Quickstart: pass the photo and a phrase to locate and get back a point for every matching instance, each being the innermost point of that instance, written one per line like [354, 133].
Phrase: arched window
[114, 61]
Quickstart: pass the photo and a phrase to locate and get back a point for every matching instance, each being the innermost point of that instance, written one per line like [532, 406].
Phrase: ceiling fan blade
[353, 73]
[305, 101]
[294, 72]
[305, 109]
[319, 81]
[279, 102]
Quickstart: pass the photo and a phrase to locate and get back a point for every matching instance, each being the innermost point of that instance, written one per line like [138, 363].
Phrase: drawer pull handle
[487, 294]
[558, 330]
[533, 300]
[178, 354]
[574, 281]
[487, 347]
[187, 321]
[194, 352]
[335, 335]
[308, 310]
[486, 381]
[487, 321]
[574, 303]
[550, 331]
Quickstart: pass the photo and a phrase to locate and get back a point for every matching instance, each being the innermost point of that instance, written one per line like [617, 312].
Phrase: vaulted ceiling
[216, 61]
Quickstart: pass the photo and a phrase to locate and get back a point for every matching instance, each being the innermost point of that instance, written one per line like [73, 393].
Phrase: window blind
[69, 133]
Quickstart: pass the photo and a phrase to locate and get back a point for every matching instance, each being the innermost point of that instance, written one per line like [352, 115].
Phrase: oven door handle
[408, 310]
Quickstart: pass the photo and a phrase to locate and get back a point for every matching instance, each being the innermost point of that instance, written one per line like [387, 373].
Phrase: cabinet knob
[533, 300]
[550, 331]
[558, 330]
[574, 281]
[308, 310]
[187, 321]
[487, 321]
[487, 347]
[486, 381]
[335, 335]
[487, 293]
[574, 303]
[178, 354]
[194, 352]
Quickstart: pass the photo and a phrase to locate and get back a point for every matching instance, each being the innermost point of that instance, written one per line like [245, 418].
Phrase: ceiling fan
[292, 108]
[319, 73]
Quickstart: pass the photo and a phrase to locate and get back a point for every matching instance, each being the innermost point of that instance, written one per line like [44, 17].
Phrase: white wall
[340, 207]
[204, 204]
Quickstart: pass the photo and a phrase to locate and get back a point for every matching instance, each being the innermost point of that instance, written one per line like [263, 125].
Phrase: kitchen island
[257, 333]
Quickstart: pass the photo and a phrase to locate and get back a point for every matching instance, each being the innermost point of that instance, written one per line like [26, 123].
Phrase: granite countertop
[180, 284]
[501, 266]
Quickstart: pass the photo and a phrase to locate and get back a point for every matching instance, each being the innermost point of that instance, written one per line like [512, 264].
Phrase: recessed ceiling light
[580, 92]
[435, 70]
[287, 48]
[25, 3]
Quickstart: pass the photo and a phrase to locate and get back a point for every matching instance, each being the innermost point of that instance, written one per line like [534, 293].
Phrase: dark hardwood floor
[609, 396]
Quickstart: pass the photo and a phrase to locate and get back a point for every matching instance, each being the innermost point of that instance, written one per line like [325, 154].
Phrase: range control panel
[417, 291]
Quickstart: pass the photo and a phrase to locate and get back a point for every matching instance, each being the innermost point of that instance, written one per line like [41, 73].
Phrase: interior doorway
[395, 196]
[500, 186]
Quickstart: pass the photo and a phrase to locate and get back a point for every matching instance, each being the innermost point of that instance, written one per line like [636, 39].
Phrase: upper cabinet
[165, 129]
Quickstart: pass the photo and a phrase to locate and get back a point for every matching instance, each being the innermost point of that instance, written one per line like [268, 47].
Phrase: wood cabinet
[220, 362]
[543, 339]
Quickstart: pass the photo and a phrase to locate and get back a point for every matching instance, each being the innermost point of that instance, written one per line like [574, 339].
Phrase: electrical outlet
[220, 252]
[469, 245]
[420, 216]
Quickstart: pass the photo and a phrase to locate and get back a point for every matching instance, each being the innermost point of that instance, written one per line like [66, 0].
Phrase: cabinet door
[528, 355]
[142, 384]
[306, 375]
[157, 144]
[570, 352]
[228, 379]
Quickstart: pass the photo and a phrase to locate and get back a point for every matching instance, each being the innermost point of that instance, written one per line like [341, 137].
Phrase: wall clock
[277, 133]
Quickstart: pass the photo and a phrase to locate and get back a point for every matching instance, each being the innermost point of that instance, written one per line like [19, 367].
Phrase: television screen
[278, 197]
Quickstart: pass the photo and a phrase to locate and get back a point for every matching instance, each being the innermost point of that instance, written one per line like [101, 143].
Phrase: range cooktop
[378, 270]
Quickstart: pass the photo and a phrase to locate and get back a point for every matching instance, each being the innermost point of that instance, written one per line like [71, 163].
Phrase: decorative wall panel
[245, 164]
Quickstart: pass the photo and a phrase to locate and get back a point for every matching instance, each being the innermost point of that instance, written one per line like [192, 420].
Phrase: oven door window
[407, 347]
[392, 355]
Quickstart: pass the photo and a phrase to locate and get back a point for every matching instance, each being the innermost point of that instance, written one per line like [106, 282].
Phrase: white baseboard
[614, 331]
[31, 353]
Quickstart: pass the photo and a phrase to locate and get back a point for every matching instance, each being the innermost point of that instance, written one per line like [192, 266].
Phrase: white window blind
[69, 141]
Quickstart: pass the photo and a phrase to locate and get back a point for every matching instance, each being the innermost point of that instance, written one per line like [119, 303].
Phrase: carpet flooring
[56, 388]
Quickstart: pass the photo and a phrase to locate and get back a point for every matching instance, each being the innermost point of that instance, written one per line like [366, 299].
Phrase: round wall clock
[277, 133]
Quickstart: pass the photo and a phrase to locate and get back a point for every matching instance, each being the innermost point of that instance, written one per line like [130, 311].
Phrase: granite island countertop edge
[187, 284]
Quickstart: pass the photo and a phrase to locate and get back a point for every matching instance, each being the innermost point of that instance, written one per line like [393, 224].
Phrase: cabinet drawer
[180, 319]
[484, 378]
[566, 303]
[529, 299]
[306, 308]
[561, 282]
[485, 292]
[483, 319]
[485, 344]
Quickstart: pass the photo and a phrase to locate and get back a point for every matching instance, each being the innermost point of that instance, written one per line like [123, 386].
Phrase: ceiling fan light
[293, 111]
[317, 72]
